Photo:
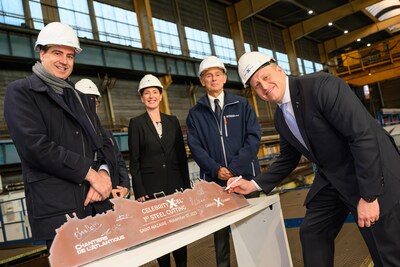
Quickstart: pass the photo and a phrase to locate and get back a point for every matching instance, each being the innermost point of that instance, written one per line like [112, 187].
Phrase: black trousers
[325, 217]
[221, 241]
[180, 256]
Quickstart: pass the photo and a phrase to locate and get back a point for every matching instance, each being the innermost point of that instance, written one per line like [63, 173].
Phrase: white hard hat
[211, 62]
[250, 62]
[87, 87]
[57, 33]
[149, 81]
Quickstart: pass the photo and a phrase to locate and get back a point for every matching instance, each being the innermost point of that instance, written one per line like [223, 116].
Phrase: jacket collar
[299, 109]
[228, 99]
[37, 85]
[152, 128]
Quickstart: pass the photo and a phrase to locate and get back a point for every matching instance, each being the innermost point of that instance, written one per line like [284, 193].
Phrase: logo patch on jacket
[232, 116]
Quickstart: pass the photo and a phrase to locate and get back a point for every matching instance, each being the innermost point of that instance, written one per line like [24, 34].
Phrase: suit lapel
[299, 111]
[289, 136]
[165, 128]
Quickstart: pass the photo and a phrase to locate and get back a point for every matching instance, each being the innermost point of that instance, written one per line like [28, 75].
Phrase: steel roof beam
[247, 8]
[346, 39]
[317, 22]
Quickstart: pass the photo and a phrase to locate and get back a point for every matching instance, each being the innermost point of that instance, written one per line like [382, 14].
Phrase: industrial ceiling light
[330, 24]
[310, 12]
[346, 31]
[358, 40]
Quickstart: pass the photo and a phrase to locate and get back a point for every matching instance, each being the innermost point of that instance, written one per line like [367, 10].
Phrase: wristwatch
[369, 199]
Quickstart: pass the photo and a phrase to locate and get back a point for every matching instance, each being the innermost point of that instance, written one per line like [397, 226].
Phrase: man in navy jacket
[358, 163]
[225, 143]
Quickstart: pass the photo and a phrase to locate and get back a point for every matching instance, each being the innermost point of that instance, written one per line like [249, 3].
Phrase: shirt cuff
[257, 186]
[104, 167]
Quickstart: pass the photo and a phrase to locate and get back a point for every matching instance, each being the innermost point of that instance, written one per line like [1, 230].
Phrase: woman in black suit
[158, 161]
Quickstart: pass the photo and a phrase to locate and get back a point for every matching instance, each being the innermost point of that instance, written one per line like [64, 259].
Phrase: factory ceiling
[336, 23]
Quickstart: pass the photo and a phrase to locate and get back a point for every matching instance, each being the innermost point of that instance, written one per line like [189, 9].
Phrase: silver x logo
[218, 201]
[172, 203]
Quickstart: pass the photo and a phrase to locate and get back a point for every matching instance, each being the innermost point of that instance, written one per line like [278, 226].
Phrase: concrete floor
[350, 249]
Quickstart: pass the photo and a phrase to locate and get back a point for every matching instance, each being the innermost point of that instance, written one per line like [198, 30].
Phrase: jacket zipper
[226, 126]
[226, 132]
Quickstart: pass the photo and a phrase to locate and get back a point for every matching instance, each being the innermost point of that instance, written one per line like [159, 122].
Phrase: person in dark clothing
[158, 161]
[224, 138]
[65, 159]
[119, 178]
[358, 163]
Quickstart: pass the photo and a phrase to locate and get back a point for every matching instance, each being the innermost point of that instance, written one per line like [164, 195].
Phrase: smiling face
[151, 97]
[213, 80]
[269, 83]
[58, 60]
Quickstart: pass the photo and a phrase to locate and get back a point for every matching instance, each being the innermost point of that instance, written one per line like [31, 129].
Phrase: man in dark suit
[358, 162]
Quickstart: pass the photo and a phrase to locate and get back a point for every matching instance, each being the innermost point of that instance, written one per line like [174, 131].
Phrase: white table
[258, 234]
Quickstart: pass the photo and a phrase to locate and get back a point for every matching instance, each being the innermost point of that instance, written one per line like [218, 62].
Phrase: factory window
[167, 37]
[308, 66]
[198, 43]
[318, 66]
[247, 47]
[224, 49]
[301, 66]
[12, 12]
[269, 52]
[36, 13]
[117, 25]
[367, 92]
[283, 61]
[76, 14]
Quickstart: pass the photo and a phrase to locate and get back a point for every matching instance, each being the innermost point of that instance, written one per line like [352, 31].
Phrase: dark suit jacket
[351, 150]
[157, 164]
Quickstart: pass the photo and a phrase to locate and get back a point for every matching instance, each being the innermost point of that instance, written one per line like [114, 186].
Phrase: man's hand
[120, 191]
[142, 199]
[224, 174]
[92, 196]
[368, 213]
[242, 186]
[100, 181]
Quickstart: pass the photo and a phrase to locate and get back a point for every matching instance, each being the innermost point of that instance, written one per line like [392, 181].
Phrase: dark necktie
[217, 110]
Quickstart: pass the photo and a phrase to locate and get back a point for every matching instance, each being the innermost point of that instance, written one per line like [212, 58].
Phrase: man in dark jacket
[224, 138]
[120, 178]
[358, 163]
[65, 160]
